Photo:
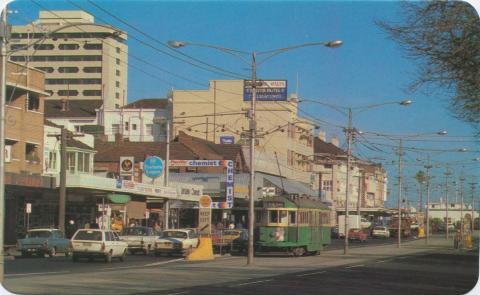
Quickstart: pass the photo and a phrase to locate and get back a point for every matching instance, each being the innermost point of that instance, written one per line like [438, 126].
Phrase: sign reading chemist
[269, 90]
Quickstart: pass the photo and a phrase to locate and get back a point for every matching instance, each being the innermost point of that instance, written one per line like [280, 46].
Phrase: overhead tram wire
[168, 83]
[154, 39]
[215, 69]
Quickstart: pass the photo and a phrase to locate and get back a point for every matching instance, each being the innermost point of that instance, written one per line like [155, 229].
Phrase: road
[375, 267]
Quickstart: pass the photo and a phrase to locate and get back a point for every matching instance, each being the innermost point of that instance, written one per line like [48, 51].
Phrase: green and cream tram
[293, 225]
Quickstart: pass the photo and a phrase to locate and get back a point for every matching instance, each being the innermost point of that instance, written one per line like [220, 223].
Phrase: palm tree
[421, 178]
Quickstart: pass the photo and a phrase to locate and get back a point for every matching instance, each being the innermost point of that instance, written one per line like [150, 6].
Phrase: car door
[117, 244]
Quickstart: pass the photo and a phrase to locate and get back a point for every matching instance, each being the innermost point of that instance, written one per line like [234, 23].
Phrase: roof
[148, 103]
[76, 108]
[205, 147]
[78, 144]
[300, 202]
[112, 151]
[322, 147]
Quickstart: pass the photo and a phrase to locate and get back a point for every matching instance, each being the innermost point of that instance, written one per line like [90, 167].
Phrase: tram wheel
[297, 252]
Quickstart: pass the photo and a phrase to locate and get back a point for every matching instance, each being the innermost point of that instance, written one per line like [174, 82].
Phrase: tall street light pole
[400, 167]
[462, 179]
[252, 122]
[447, 173]
[347, 187]
[427, 209]
[166, 204]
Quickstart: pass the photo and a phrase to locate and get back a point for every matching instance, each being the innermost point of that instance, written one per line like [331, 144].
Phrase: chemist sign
[153, 167]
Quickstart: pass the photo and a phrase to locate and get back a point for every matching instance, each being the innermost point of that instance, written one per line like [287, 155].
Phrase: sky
[369, 68]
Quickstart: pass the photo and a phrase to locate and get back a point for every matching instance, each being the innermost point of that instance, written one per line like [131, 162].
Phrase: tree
[443, 37]
[421, 178]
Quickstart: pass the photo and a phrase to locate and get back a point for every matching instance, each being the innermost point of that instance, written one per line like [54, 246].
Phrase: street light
[252, 123]
[350, 131]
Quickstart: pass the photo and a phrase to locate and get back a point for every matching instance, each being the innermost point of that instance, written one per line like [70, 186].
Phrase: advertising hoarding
[269, 90]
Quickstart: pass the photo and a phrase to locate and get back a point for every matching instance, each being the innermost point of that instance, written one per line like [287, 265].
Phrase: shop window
[31, 152]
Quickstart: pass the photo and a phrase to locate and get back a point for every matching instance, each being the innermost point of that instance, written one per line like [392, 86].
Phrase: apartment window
[33, 102]
[90, 46]
[117, 95]
[118, 61]
[117, 83]
[92, 92]
[117, 72]
[117, 106]
[68, 46]
[327, 185]
[45, 69]
[92, 69]
[67, 92]
[126, 126]
[31, 152]
[58, 58]
[80, 162]
[149, 129]
[18, 46]
[68, 70]
[78, 128]
[115, 128]
[118, 50]
[134, 127]
[43, 46]
[72, 81]
[71, 162]
[52, 161]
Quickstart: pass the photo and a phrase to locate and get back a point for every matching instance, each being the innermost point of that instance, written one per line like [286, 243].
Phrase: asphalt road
[434, 273]
[61, 264]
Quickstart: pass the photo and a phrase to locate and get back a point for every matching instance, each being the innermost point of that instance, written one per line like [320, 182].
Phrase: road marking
[311, 273]
[402, 257]
[121, 267]
[35, 273]
[256, 282]
[164, 262]
[381, 261]
[352, 266]
[185, 292]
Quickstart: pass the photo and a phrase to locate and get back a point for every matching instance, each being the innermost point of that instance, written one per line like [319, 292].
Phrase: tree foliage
[444, 38]
[421, 177]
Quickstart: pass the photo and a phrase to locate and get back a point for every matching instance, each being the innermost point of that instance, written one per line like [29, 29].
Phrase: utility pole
[400, 167]
[472, 190]
[3, 53]
[462, 179]
[166, 204]
[427, 210]
[447, 173]
[359, 193]
[347, 187]
[253, 128]
[63, 180]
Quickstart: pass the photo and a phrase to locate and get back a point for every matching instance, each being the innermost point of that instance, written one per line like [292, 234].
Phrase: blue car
[44, 241]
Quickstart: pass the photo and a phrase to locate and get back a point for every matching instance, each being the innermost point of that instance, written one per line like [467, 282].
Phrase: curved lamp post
[243, 55]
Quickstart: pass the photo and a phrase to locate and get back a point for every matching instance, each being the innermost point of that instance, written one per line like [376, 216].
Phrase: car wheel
[108, 257]
[122, 258]
[68, 252]
[52, 252]
[189, 251]
[74, 258]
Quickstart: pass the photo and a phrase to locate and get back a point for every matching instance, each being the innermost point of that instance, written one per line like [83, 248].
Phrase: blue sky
[368, 68]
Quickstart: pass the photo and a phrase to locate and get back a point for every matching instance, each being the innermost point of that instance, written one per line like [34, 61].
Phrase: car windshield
[136, 231]
[174, 234]
[88, 235]
[39, 234]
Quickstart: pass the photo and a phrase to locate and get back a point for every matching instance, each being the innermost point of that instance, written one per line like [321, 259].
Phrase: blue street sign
[227, 139]
[153, 167]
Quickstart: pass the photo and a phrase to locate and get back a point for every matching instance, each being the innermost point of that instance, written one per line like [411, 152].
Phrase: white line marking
[381, 261]
[311, 273]
[185, 292]
[121, 267]
[403, 257]
[164, 262]
[352, 266]
[249, 283]
[35, 273]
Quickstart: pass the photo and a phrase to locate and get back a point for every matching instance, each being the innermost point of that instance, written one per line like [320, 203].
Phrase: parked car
[179, 241]
[240, 244]
[380, 231]
[97, 243]
[44, 241]
[139, 239]
[357, 234]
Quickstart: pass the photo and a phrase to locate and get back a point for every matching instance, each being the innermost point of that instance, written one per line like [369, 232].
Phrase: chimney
[322, 135]
[334, 140]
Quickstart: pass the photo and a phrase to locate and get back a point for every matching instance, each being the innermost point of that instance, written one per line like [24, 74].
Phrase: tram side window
[293, 217]
[283, 217]
[273, 218]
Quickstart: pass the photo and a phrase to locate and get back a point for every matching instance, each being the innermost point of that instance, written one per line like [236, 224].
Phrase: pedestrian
[457, 239]
[239, 225]
[231, 225]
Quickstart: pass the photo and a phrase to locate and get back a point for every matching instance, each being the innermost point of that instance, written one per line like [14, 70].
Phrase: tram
[293, 225]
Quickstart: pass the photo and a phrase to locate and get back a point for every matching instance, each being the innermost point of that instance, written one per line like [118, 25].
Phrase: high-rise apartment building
[82, 60]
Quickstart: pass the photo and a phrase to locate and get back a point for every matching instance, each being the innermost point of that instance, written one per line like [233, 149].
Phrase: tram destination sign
[268, 90]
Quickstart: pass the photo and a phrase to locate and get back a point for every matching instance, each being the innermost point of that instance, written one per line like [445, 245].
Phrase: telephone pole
[400, 167]
[472, 190]
[447, 173]
[427, 210]
[462, 179]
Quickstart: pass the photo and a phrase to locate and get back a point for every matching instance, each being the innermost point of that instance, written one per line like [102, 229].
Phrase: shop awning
[119, 198]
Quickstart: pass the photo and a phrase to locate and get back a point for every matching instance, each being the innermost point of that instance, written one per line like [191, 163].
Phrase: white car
[97, 243]
[139, 239]
[380, 231]
[181, 241]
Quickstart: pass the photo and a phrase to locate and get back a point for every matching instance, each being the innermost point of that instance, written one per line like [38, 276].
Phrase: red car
[357, 234]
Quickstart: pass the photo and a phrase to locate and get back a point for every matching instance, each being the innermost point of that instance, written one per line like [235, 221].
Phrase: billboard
[269, 90]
